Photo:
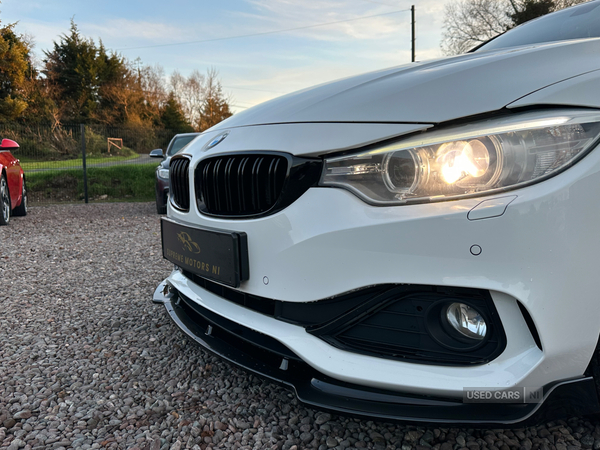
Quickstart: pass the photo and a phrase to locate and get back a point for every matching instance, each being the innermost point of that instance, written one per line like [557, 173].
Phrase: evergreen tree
[213, 111]
[172, 117]
[531, 9]
[15, 65]
[76, 70]
[215, 106]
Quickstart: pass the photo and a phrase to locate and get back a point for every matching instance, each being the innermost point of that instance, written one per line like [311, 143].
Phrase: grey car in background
[162, 171]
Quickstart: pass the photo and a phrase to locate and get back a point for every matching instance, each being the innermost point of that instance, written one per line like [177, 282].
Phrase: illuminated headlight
[479, 158]
[466, 320]
[163, 173]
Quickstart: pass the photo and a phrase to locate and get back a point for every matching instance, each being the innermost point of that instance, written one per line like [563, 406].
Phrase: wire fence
[81, 163]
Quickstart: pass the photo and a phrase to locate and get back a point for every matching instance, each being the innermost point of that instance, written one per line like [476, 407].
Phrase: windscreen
[582, 21]
[179, 143]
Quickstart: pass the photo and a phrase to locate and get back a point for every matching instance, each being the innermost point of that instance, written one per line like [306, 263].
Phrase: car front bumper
[262, 356]
[535, 254]
[162, 191]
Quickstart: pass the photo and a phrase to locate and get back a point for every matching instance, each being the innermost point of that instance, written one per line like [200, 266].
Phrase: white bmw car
[418, 243]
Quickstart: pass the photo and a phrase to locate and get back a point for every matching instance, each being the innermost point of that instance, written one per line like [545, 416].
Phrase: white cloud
[281, 62]
[120, 30]
[285, 14]
[44, 34]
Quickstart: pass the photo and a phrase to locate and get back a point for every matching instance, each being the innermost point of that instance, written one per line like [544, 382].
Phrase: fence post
[85, 183]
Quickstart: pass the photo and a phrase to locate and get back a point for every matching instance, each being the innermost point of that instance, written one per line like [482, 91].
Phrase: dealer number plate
[218, 255]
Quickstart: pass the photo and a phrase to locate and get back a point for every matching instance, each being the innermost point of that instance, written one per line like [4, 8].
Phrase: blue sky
[251, 69]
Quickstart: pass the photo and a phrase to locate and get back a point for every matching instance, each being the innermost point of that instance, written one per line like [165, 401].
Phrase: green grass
[28, 164]
[133, 182]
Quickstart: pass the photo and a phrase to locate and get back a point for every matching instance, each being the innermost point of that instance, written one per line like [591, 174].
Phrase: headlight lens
[163, 173]
[475, 159]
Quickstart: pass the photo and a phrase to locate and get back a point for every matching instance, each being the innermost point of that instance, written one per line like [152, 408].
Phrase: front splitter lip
[567, 397]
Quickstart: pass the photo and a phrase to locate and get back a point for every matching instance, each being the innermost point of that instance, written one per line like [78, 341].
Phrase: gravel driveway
[87, 361]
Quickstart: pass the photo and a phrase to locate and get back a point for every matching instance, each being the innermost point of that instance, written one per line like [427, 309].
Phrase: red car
[13, 194]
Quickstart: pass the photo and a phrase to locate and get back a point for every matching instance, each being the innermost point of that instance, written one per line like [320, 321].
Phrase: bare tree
[201, 98]
[561, 4]
[468, 23]
[215, 106]
[190, 93]
[152, 83]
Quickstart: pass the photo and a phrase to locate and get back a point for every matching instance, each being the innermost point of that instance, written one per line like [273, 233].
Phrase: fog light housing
[467, 321]
[463, 322]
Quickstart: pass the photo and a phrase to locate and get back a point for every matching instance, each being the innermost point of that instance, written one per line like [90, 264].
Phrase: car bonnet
[430, 92]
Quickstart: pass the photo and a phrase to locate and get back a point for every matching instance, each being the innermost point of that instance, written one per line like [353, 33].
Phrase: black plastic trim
[202, 316]
[329, 319]
[434, 343]
[304, 314]
[529, 321]
[215, 333]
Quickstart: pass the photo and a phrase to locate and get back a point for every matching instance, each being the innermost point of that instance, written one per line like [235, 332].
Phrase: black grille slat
[186, 191]
[206, 186]
[240, 177]
[230, 183]
[211, 185]
[176, 182]
[240, 184]
[217, 184]
[179, 180]
[246, 185]
[255, 183]
[271, 180]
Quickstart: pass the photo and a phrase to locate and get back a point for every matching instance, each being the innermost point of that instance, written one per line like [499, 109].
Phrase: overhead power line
[254, 89]
[240, 36]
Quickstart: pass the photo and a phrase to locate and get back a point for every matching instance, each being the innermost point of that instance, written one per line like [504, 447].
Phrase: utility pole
[412, 14]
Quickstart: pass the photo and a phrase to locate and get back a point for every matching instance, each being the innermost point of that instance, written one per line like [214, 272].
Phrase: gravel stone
[88, 362]
[322, 418]
[25, 414]
[413, 436]
[587, 441]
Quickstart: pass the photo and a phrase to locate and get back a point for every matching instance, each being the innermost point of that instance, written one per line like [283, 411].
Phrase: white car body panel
[512, 368]
[582, 90]
[309, 139]
[431, 92]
